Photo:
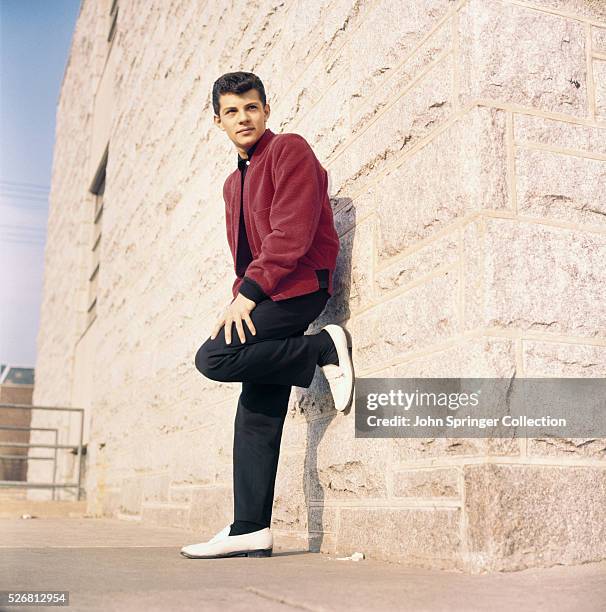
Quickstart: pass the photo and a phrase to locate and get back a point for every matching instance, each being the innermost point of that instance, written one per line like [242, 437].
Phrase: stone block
[586, 448]
[598, 39]
[581, 8]
[560, 187]
[211, 509]
[290, 505]
[316, 400]
[515, 54]
[353, 274]
[521, 516]
[411, 117]
[435, 482]
[202, 456]
[563, 359]
[323, 519]
[599, 79]
[462, 170]
[533, 129]
[162, 514]
[415, 537]
[382, 83]
[323, 542]
[441, 450]
[515, 292]
[155, 487]
[423, 260]
[387, 36]
[484, 357]
[424, 315]
[131, 496]
[340, 466]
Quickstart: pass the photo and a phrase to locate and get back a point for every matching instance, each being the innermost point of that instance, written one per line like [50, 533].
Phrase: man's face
[242, 117]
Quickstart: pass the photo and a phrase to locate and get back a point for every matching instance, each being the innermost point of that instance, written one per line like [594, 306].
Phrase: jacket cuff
[252, 290]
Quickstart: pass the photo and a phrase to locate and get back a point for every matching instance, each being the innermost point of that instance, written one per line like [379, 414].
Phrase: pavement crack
[283, 600]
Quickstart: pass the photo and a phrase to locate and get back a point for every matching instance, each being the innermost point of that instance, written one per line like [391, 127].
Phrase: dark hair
[238, 83]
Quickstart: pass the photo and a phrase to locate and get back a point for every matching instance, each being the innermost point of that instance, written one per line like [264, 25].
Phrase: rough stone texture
[163, 514]
[598, 39]
[441, 482]
[355, 264]
[518, 294]
[343, 467]
[478, 356]
[131, 496]
[426, 537]
[564, 187]
[533, 129]
[465, 148]
[523, 516]
[577, 8]
[572, 361]
[553, 359]
[211, 508]
[424, 260]
[394, 76]
[526, 57]
[433, 451]
[396, 328]
[323, 519]
[593, 448]
[411, 117]
[290, 507]
[459, 182]
[599, 77]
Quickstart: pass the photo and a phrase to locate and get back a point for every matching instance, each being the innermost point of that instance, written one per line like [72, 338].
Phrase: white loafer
[340, 377]
[255, 544]
[223, 533]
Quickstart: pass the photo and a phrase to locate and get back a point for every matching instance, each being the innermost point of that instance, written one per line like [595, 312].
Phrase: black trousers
[267, 364]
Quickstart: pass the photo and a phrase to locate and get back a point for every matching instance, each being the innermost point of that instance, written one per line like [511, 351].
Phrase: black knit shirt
[248, 288]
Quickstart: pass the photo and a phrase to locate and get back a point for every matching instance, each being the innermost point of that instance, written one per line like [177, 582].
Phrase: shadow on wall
[316, 402]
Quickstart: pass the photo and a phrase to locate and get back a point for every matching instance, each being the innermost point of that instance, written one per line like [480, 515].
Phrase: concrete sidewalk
[109, 564]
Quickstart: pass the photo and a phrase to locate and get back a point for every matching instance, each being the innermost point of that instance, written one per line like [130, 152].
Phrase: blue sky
[35, 38]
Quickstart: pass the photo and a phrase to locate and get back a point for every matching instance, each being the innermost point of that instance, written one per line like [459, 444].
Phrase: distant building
[16, 387]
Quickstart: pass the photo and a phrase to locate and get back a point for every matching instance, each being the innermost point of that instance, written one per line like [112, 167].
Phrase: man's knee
[210, 364]
[206, 364]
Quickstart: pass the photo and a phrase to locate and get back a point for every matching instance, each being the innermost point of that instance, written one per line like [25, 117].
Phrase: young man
[281, 234]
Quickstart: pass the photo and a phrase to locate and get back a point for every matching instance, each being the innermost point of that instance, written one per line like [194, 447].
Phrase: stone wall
[465, 147]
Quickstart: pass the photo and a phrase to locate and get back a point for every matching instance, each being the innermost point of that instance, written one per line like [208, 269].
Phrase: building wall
[465, 146]
[14, 469]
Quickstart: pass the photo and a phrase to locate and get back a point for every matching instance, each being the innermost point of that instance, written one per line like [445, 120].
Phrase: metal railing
[43, 485]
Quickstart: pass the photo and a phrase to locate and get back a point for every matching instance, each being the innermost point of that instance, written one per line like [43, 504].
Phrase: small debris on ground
[357, 556]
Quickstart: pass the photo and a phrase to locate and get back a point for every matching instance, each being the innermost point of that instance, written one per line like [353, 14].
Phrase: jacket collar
[258, 147]
[243, 161]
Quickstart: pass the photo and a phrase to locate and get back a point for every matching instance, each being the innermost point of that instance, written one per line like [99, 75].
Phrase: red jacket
[289, 220]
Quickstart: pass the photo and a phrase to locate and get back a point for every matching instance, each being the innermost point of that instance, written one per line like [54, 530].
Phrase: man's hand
[239, 310]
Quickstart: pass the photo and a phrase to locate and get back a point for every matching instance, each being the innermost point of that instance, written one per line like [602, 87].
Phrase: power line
[25, 235]
[27, 185]
[10, 190]
[28, 228]
[20, 240]
[23, 197]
